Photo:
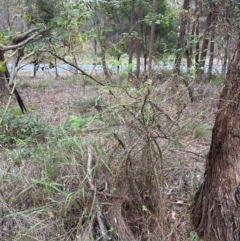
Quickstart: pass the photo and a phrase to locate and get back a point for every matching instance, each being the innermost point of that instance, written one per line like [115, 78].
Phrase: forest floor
[147, 162]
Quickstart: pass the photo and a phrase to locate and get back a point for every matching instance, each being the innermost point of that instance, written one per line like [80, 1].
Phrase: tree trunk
[56, 69]
[139, 40]
[102, 37]
[215, 212]
[211, 58]
[204, 50]
[197, 35]
[152, 36]
[194, 38]
[181, 37]
[225, 57]
[131, 43]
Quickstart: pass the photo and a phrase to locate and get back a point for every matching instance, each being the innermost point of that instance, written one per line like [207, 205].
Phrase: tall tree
[215, 212]
[197, 34]
[212, 43]
[139, 41]
[205, 43]
[152, 36]
[131, 42]
[181, 37]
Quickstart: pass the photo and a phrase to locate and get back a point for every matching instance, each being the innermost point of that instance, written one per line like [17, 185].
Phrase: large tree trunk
[181, 37]
[216, 213]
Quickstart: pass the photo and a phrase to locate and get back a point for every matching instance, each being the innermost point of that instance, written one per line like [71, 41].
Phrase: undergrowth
[20, 130]
[121, 173]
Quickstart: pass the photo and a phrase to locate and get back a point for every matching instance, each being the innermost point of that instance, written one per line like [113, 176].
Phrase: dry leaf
[50, 213]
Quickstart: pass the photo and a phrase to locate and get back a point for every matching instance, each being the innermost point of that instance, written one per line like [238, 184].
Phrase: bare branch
[100, 217]
[163, 111]
[30, 39]
[89, 169]
[21, 37]
[76, 67]
[102, 226]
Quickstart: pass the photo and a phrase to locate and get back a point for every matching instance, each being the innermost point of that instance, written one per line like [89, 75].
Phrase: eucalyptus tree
[215, 211]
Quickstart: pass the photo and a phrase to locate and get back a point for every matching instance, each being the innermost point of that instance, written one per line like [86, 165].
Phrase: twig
[163, 111]
[102, 225]
[76, 67]
[114, 195]
[120, 142]
[145, 99]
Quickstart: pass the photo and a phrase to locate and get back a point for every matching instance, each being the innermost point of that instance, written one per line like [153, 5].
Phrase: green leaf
[194, 236]
[144, 208]
[2, 67]
[115, 63]
[27, 18]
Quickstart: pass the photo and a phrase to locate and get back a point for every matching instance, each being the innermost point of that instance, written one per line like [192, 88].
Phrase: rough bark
[181, 37]
[216, 213]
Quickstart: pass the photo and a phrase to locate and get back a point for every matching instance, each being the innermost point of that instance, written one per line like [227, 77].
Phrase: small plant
[202, 131]
[77, 123]
[20, 130]
[193, 236]
[217, 81]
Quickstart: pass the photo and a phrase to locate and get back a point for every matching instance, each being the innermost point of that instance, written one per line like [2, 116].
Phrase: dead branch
[26, 38]
[101, 224]
[18, 45]
[163, 111]
[21, 37]
[145, 99]
[100, 217]
[76, 67]
[6, 75]
[89, 169]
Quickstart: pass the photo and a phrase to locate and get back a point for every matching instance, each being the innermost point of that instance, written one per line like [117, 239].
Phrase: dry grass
[145, 175]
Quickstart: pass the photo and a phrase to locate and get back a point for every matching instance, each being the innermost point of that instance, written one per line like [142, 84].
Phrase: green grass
[217, 81]
[202, 131]
[196, 129]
